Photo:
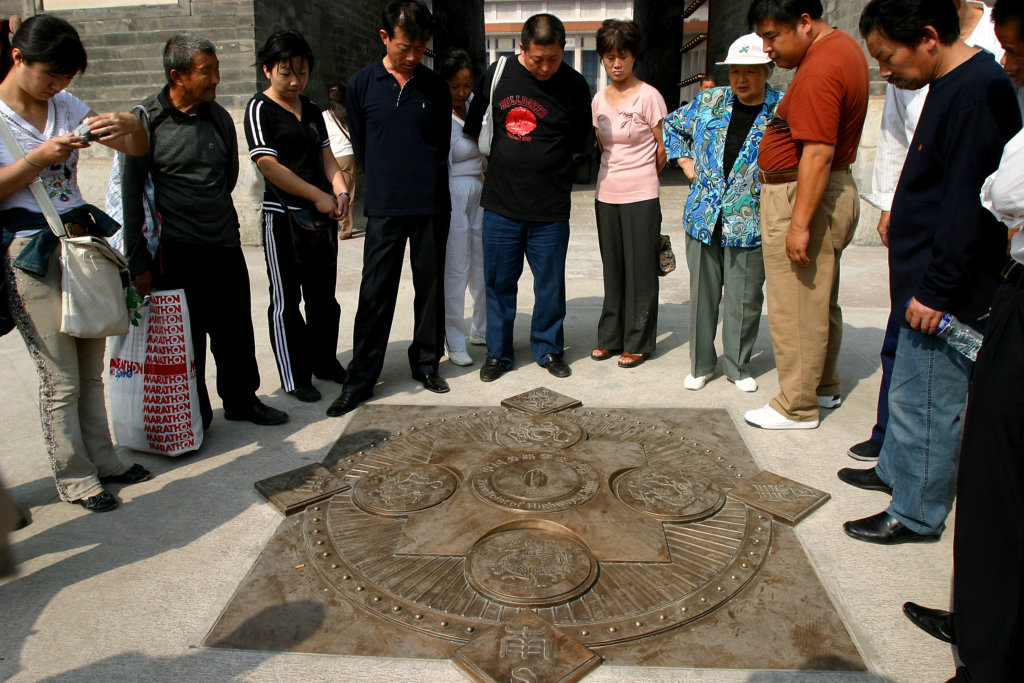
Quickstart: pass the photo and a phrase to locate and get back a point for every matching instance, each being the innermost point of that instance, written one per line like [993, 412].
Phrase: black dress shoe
[492, 369]
[101, 502]
[346, 403]
[938, 623]
[133, 475]
[885, 529]
[308, 394]
[864, 479]
[433, 382]
[865, 450]
[554, 364]
[336, 374]
[258, 413]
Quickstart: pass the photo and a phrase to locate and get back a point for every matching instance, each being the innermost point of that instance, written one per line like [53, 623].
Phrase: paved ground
[128, 595]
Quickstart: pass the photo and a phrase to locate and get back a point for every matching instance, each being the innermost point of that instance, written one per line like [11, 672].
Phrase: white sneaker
[830, 401]
[459, 358]
[477, 339]
[747, 384]
[697, 383]
[767, 417]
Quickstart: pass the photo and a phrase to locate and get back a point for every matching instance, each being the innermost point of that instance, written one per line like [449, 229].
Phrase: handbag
[666, 257]
[487, 122]
[92, 289]
[303, 219]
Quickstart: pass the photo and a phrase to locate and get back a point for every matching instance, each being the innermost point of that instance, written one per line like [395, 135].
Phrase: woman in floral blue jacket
[715, 139]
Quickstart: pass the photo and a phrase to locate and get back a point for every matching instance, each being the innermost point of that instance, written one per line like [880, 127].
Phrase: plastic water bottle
[961, 337]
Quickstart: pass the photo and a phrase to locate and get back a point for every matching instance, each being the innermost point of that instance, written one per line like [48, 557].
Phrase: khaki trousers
[347, 164]
[70, 369]
[804, 317]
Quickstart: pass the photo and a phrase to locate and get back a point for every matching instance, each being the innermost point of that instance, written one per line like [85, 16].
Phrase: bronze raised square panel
[784, 499]
[541, 401]
[525, 648]
[294, 491]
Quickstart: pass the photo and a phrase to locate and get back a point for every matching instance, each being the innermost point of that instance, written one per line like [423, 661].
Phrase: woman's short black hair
[620, 35]
[47, 39]
[904, 21]
[284, 46]
[456, 59]
[412, 16]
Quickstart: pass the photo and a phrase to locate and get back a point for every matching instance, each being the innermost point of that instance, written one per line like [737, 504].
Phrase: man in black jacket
[193, 161]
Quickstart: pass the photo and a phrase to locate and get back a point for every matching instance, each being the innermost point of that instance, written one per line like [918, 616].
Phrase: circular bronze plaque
[536, 482]
[403, 490]
[530, 567]
[534, 432]
[669, 493]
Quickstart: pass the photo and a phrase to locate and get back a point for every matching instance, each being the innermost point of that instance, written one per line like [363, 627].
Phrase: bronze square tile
[784, 499]
[525, 648]
[541, 401]
[294, 491]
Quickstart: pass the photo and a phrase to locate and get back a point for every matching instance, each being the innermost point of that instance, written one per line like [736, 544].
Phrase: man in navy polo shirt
[400, 121]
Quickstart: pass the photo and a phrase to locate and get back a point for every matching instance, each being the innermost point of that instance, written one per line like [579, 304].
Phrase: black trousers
[216, 284]
[383, 254]
[302, 265]
[988, 546]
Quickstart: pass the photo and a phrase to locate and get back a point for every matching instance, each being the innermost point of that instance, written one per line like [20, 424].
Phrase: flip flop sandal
[631, 360]
[603, 354]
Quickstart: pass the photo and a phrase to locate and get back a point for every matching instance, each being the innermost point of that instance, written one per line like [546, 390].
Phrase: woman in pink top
[627, 118]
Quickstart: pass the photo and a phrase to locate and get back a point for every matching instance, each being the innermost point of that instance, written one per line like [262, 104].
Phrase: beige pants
[804, 317]
[347, 164]
[71, 405]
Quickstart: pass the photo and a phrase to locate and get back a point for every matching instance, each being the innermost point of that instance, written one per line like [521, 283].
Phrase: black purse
[302, 219]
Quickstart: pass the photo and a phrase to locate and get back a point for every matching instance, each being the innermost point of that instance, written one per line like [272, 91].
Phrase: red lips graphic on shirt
[520, 122]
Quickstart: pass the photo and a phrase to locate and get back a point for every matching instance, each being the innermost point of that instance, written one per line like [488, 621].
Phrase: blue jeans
[926, 401]
[506, 241]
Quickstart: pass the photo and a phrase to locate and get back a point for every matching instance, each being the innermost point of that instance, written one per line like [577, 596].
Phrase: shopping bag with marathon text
[154, 401]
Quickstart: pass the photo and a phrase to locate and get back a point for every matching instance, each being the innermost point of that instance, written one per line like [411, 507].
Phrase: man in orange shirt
[809, 202]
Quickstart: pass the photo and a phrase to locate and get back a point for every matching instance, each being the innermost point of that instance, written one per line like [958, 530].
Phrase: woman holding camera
[47, 122]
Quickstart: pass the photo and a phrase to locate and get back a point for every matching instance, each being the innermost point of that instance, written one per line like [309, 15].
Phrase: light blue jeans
[926, 402]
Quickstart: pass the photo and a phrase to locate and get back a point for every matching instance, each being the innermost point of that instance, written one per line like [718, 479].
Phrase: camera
[87, 135]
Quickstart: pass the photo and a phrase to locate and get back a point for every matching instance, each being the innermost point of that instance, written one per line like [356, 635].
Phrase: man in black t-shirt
[541, 115]
[399, 115]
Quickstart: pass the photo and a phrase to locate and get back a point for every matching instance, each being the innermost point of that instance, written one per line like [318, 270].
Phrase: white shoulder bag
[92, 292]
[487, 122]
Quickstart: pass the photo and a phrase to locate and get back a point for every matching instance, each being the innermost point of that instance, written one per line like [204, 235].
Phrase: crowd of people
[475, 171]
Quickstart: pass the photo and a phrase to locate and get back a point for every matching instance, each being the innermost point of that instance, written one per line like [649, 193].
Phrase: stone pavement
[128, 595]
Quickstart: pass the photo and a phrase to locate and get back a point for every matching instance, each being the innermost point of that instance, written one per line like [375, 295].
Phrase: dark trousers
[628, 237]
[383, 254]
[988, 546]
[302, 265]
[888, 356]
[216, 284]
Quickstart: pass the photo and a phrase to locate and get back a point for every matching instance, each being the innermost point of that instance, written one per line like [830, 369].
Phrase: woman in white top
[46, 54]
[464, 259]
[336, 119]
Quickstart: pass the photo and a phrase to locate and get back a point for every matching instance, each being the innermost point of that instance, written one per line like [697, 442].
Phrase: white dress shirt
[1003, 192]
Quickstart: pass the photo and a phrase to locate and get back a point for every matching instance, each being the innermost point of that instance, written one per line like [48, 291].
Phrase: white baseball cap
[748, 49]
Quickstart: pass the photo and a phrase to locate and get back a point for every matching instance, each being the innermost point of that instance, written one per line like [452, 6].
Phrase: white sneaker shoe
[459, 358]
[767, 417]
[697, 383]
[747, 384]
[477, 339]
[830, 401]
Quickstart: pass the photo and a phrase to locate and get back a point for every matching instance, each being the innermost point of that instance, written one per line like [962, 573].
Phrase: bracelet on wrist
[32, 163]
[345, 194]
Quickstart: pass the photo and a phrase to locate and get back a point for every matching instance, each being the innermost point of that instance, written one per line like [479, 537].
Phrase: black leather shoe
[492, 369]
[336, 374]
[258, 413]
[308, 394]
[864, 479]
[938, 623]
[865, 450]
[885, 529]
[133, 475]
[433, 382]
[554, 364]
[101, 502]
[346, 403]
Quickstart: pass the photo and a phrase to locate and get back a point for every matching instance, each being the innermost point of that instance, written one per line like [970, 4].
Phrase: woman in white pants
[464, 258]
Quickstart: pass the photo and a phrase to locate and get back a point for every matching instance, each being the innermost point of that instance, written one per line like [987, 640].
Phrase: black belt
[1013, 273]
